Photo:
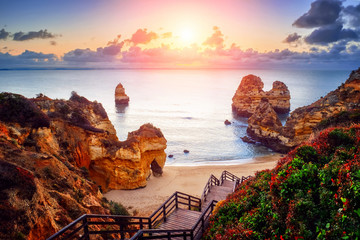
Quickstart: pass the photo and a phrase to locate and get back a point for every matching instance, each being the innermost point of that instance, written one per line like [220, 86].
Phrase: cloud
[102, 54]
[115, 41]
[37, 56]
[353, 13]
[111, 50]
[141, 36]
[322, 12]
[28, 59]
[4, 34]
[292, 38]
[330, 34]
[329, 18]
[42, 34]
[216, 39]
[167, 35]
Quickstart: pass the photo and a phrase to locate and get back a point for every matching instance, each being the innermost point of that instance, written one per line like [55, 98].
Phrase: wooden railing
[194, 233]
[125, 226]
[213, 181]
[177, 200]
[225, 175]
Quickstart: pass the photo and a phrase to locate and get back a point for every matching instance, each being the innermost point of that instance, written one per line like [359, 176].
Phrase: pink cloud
[216, 39]
[141, 36]
[115, 41]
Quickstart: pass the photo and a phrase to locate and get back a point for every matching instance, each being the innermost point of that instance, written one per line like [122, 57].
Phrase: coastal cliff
[250, 92]
[302, 121]
[54, 155]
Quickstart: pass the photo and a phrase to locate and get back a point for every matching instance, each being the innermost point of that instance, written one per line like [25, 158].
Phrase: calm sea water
[189, 106]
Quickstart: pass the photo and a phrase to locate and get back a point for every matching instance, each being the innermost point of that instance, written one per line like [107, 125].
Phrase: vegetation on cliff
[16, 108]
[313, 193]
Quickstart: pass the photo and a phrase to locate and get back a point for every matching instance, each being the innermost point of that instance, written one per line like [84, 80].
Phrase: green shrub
[118, 209]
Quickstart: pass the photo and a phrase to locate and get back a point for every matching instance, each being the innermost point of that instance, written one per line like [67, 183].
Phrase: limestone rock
[302, 121]
[127, 165]
[44, 167]
[250, 92]
[264, 125]
[120, 95]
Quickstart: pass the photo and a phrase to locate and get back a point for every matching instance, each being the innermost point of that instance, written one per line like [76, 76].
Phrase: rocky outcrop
[302, 122]
[250, 92]
[265, 126]
[127, 165]
[54, 155]
[120, 95]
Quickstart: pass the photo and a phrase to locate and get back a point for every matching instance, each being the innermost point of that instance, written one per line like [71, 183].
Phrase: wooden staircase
[181, 216]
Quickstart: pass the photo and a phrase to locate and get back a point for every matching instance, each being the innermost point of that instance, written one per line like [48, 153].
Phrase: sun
[187, 35]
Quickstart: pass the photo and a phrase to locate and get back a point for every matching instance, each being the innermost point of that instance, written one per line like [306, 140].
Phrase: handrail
[202, 223]
[213, 181]
[67, 228]
[168, 206]
[225, 175]
[125, 226]
[198, 228]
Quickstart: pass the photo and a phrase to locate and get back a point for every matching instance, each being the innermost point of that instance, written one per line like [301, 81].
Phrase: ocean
[189, 106]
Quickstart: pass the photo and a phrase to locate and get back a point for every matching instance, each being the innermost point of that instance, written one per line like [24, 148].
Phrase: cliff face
[303, 120]
[250, 92]
[40, 192]
[49, 150]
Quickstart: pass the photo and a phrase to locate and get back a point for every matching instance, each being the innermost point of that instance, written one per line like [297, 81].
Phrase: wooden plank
[181, 219]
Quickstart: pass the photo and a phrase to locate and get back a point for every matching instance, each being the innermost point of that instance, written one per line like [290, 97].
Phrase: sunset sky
[187, 33]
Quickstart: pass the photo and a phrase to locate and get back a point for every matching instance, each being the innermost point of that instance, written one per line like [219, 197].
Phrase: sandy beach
[186, 179]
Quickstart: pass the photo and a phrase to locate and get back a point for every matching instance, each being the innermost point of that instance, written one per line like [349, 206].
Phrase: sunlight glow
[187, 35]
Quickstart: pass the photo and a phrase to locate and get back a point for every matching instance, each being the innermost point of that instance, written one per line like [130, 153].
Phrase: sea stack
[120, 95]
[302, 122]
[250, 92]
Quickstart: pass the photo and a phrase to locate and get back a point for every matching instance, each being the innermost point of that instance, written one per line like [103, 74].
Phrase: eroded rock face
[41, 193]
[128, 164]
[265, 126]
[44, 167]
[302, 121]
[120, 95]
[250, 92]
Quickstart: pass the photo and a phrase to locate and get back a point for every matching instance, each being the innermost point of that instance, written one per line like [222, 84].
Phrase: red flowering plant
[313, 193]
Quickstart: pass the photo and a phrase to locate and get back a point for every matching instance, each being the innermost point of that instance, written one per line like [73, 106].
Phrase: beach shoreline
[187, 179]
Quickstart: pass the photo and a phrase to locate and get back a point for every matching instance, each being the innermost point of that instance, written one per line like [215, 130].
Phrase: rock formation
[250, 92]
[265, 123]
[48, 149]
[120, 95]
[302, 121]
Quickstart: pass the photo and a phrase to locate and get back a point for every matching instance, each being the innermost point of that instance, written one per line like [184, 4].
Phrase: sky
[180, 34]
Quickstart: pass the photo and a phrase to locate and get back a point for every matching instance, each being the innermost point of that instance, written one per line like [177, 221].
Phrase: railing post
[176, 200]
[122, 235]
[169, 236]
[164, 213]
[189, 202]
[202, 225]
[141, 223]
[86, 228]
